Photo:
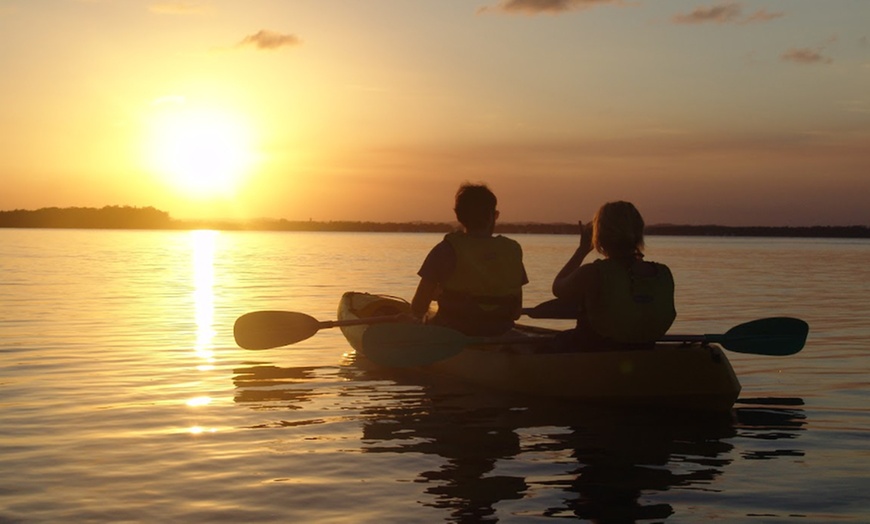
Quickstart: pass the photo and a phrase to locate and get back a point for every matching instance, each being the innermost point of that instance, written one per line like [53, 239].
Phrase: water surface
[123, 397]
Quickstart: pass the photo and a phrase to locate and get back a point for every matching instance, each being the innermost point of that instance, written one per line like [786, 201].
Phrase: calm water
[123, 397]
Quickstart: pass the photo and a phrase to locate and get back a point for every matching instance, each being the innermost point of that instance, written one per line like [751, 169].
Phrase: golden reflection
[199, 430]
[203, 242]
[199, 401]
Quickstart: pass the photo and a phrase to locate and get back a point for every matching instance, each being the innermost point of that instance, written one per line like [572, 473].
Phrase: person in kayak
[622, 300]
[476, 277]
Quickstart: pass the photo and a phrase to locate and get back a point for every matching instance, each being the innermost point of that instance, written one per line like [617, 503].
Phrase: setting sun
[199, 152]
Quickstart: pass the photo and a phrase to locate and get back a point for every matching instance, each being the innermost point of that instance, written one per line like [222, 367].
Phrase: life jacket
[631, 309]
[485, 288]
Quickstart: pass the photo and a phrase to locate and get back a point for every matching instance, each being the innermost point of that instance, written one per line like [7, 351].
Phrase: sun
[200, 152]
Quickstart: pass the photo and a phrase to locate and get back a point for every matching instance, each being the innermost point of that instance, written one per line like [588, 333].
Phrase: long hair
[617, 230]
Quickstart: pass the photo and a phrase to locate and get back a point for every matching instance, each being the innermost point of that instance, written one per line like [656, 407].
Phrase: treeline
[407, 227]
[712, 231]
[126, 217]
[108, 217]
[761, 231]
[347, 226]
[557, 229]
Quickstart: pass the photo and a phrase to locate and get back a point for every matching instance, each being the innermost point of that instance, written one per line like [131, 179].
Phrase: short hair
[617, 230]
[475, 204]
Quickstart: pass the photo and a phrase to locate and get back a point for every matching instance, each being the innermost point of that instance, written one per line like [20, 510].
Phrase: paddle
[775, 336]
[557, 308]
[271, 329]
[403, 345]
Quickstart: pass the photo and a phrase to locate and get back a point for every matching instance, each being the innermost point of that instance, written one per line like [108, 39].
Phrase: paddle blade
[555, 308]
[408, 345]
[271, 329]
[776, 336]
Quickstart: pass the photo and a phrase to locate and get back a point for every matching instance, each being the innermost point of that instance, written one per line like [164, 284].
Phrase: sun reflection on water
[203, 243]
[199, 401]
[199, 430]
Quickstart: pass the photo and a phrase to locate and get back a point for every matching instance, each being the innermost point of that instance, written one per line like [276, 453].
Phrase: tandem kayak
[680, 375]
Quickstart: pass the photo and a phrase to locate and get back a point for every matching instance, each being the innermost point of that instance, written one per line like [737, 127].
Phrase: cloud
[265, 39]
[727, 13]
[805, 56]
[719, 14]
[533, 7]
[762, 16]
[176, 8]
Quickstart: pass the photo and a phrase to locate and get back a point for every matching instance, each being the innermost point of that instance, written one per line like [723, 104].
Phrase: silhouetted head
[475, 206]
[617, 230]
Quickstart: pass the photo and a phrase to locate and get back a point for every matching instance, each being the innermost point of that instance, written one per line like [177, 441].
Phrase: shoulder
[439, 262]
[606, 270]
[657, 268]
[508, 242]
[442, 249]
[600, 265]
[660, 266]
[653, 270]
[663, 270]
[594, 268]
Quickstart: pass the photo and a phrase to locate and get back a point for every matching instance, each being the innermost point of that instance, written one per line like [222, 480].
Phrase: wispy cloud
[177, 8]
[534, 7]
[725, 13]
[265, 39]
[805, 55]
[810, 55]
[762, 15]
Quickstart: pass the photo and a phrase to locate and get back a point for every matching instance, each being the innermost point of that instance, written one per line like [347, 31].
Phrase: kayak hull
[691, 376]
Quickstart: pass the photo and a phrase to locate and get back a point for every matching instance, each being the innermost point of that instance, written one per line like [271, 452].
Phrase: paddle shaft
[402, 345]
[325, 324]
[271, 329]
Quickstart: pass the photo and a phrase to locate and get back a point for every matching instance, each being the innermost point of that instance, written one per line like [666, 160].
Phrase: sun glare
[199, 152]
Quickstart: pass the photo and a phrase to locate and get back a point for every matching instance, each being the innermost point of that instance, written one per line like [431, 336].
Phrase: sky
[724, 112]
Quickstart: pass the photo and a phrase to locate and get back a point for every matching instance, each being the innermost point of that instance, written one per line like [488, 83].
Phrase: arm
[518, 311]
[438, 263]
[569, 281]
[423, 297]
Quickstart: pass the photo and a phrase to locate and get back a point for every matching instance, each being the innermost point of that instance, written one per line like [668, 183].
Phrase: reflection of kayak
[675, 375]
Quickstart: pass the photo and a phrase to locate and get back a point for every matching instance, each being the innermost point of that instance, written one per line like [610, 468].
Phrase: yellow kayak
[680, 375]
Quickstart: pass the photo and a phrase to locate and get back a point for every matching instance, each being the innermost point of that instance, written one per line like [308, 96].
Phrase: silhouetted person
[476, 278]
[621, 300]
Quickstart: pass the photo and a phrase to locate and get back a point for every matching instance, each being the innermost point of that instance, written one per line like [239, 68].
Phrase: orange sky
[734, 113]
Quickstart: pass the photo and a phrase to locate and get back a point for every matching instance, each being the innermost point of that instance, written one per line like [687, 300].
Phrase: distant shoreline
[125, 217]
